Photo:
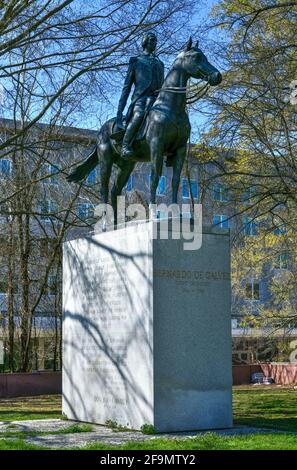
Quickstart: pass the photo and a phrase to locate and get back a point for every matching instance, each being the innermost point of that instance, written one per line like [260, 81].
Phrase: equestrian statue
[156, 124]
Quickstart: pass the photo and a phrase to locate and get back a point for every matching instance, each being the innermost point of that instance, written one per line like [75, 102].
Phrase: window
[186, 189]
[252, 290]
[281, 230]
[47, 208]
[220, 192]
[250, 227]
[129, 185]
[91, 179]
[161, 190]
[221, 221]
[248, 194]
[86, 211]
[51, 285]
[50, 169]
[281, 261]
[5, 167]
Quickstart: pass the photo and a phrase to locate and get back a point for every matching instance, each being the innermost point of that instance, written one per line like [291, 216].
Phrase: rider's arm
[129, 80]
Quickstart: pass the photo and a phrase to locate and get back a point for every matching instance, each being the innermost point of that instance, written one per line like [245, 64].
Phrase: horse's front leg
[178, 162]
[156, 168]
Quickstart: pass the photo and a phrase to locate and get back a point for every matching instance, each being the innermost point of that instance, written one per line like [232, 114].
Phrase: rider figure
[146, 72]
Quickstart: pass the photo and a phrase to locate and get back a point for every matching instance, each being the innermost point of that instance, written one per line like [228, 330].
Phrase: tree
[251, 140]
[56, 56]
[76, 45]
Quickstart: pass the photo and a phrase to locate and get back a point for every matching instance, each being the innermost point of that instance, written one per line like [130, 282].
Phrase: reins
[183, 90]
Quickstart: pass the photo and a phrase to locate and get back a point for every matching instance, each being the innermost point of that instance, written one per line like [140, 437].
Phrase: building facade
[30, 281]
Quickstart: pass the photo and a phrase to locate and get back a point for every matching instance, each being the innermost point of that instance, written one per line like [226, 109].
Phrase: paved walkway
[98, 434]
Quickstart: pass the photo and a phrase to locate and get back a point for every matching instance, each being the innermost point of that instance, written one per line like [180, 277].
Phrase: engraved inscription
[193, 275]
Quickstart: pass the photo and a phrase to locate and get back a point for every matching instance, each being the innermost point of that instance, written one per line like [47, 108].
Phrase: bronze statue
[146, 73]
[167, 131]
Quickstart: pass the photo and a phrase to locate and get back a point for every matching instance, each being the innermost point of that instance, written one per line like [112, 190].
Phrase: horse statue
[166, 134]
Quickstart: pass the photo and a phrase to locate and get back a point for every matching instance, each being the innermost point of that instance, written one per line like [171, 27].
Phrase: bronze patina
[167, 127]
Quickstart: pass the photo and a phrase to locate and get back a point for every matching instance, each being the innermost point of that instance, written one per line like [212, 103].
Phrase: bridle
[183, 90]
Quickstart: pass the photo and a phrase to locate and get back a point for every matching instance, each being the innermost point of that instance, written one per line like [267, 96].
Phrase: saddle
[117, 137]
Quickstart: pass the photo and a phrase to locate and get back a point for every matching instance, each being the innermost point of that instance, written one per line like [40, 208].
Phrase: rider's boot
[127, 151]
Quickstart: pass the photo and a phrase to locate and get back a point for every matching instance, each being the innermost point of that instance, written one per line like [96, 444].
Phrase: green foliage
[254, 123]
[115, 426]
[76, 428]
[148, 429]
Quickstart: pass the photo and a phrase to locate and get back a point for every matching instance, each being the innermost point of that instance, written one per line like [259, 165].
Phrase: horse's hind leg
[106, 162]
[105, 159]
[156, 169]
[121, 180]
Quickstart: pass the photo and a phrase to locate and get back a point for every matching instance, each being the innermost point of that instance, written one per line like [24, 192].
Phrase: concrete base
[147, 331]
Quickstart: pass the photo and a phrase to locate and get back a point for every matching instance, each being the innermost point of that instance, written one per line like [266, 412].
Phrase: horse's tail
[82, 170]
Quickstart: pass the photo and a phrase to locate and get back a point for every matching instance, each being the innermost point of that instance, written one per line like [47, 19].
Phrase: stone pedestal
[147, 330]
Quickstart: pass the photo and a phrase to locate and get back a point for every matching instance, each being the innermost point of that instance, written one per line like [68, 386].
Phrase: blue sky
[95, 110]
[199, 19]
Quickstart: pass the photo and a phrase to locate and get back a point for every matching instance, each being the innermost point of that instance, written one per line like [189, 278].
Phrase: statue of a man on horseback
[146, 73]
[167, 127]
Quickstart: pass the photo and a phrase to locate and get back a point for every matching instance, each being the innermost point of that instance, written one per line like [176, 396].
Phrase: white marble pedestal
[147, 330]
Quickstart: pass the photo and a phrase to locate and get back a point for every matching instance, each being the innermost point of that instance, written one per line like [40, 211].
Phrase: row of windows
[187, 189]
[48, 169]
[86, 211]
[252, 289]
[220, 192]
[49, 207]
[250, 226]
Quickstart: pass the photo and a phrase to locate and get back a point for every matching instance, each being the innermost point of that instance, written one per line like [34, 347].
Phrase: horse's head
[196, 64]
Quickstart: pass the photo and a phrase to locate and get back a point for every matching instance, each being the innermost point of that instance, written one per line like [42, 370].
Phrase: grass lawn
[264, 406]
[209, 441]
[41, 407]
